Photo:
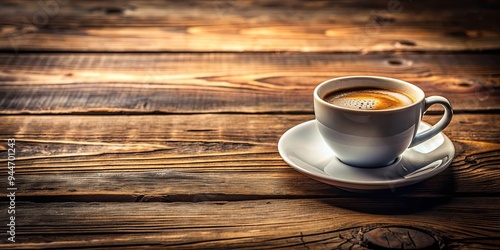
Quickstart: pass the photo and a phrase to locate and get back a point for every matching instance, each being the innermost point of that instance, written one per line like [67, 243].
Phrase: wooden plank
[215, 83]
[260, 224]
[197, 157]
[251, 25]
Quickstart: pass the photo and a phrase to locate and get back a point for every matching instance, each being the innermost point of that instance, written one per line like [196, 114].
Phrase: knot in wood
[399, 238]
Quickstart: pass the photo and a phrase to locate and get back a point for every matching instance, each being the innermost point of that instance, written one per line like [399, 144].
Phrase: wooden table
[154, 124]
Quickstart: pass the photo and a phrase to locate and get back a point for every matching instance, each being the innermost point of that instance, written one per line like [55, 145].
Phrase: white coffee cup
[374, 138]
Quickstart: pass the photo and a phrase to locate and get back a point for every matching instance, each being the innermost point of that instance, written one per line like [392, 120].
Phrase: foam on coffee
[368, 98]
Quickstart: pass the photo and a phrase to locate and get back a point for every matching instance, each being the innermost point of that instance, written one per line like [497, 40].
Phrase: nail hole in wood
[113, 11]
[395, 62]
[108, 10]
[406, 43]
[465, 84]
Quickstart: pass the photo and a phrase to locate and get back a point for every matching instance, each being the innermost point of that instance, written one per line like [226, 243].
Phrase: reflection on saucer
[304, 150]
[431, 144]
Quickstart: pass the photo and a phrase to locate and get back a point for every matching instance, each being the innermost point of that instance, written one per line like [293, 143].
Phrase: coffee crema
[368, 98]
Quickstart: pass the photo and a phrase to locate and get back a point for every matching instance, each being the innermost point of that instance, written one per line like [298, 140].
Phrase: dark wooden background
[155, 123]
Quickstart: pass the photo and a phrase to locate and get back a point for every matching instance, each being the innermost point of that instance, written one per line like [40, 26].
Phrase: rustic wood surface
[251, 25]
[154, 124]
[253, 224]
[176, 157]
[213, 83]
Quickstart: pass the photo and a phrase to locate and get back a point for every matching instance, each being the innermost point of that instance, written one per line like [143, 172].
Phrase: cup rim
[417, 101]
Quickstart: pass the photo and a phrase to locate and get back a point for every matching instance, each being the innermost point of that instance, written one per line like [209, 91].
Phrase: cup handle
[440, 125]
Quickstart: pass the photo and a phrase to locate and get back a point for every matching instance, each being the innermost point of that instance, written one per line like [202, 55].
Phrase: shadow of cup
[419, 197]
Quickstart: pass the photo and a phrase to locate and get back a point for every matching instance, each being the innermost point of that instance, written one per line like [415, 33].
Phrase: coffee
[368, 98]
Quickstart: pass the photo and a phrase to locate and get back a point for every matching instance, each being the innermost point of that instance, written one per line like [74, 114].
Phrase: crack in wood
[394, 237]
[302, 240]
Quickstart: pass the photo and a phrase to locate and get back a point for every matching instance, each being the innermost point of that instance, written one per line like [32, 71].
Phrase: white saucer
[303, 149]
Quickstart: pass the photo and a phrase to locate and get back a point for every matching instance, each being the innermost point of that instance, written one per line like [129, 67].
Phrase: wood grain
[214, 157]
[176, 148]
[252, 25]
[259, 224]
[225, 83]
